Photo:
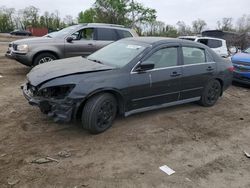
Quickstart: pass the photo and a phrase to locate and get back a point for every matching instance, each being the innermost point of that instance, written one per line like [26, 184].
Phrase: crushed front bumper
[63, 110]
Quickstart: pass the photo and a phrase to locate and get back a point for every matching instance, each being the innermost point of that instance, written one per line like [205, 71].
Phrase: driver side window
[165, 57]
[84, 34]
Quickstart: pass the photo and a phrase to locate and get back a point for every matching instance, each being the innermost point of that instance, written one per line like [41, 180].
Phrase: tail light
[231, 69]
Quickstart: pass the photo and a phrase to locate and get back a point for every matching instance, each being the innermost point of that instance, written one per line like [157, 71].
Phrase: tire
[43, 58]
[99, 113]
[211, 93]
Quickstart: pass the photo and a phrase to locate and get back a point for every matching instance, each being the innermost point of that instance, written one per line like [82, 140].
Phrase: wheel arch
[118, 96]
[45, 51]
[221, 84]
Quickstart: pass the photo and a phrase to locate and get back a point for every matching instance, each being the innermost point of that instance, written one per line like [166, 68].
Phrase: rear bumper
[63, 110]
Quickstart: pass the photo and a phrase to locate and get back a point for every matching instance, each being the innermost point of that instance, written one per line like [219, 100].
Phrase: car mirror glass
[144, 67]
[69, 39]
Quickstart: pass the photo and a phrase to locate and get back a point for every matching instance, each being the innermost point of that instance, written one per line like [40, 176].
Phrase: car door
[83, 43]
[198, 68]
[105, 36]
[161, 84]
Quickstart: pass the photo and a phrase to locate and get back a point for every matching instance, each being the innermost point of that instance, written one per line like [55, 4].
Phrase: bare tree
[198, 26]
[225, 24]
[243, 23]
[183, 29]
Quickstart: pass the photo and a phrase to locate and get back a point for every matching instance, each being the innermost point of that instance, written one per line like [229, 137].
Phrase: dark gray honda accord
[126, 77]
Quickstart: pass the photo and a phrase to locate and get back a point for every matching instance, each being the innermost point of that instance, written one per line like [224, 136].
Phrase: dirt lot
[203, 145]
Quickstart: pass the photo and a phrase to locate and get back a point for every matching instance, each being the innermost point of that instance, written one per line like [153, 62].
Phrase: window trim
[177, 45]
[182, 59]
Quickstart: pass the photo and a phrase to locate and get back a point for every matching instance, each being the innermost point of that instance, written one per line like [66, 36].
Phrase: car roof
[103, 25]
[159, 40]
[199, 37]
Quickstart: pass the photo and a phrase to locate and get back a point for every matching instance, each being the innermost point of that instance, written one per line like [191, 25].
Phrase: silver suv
[77, 40]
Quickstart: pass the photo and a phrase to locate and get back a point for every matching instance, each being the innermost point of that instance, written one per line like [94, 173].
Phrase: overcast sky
[168, 11]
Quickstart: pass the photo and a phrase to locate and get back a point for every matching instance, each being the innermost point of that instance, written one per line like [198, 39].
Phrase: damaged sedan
[126, 77]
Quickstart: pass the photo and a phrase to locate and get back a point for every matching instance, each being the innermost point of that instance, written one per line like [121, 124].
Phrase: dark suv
[77, 40]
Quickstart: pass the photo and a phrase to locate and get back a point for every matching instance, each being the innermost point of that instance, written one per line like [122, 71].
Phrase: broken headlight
[56, 92]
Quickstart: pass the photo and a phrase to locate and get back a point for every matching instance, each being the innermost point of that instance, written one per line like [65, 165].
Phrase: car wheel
[43, 58]
[99, 112]
[211, 93]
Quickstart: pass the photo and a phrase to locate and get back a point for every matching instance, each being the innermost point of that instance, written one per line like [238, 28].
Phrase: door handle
[210, 69]
[90, 44]
[175, 74]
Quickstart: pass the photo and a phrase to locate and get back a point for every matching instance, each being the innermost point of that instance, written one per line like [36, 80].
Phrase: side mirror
[144, 67]
[69, 39]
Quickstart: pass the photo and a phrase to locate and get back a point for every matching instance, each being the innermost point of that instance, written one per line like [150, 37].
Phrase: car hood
[244, 57]
[34, 40]
[63, 67]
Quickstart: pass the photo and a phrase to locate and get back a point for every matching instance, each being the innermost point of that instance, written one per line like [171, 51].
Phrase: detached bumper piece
[59, 110]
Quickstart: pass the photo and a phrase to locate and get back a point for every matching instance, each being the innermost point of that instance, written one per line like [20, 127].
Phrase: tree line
[124, 12]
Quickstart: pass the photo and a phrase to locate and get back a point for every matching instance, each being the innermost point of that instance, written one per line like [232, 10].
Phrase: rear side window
[193, 55]
[211, 43]
[123, 34]
[106, 34]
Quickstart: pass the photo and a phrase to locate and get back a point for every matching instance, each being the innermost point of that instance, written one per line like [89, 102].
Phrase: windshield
[62, 32]
[118, 54]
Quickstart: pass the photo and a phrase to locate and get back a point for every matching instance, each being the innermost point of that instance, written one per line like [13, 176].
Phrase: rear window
[192, 55]
[211, 43]
[123, 34]
[106, 34]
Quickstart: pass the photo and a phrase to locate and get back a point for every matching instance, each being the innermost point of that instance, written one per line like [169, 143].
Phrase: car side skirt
[161, 106]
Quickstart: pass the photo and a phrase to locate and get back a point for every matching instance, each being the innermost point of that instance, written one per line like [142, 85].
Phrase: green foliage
[88, 16]
[6, 19]
[122, 12]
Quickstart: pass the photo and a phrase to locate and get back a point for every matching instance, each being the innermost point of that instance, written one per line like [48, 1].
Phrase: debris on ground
[188, 179]
[12, 181]
[167, 170]
[1, 76]
[3, 155]
[64, 154]
[247, 154]
[44, 160]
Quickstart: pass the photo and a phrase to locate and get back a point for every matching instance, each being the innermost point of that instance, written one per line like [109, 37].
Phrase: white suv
[218, 45]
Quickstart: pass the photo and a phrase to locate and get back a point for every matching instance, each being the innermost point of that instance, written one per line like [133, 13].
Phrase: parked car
[241, 63]
[126, 77]
[216, 44]
[77, 40]
[21, 32]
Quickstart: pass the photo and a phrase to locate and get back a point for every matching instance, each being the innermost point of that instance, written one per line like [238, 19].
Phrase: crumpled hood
[63, 67]
[244, 57]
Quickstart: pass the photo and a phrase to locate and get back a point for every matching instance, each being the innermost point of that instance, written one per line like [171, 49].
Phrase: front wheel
[99, 112]
[43, 58]
[211, 93]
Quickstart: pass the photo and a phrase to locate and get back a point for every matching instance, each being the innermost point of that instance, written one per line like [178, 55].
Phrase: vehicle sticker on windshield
[135, 47]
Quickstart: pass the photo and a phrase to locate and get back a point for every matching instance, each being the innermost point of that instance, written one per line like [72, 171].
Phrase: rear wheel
[43, 58]
[211, 93]
[99, 112]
